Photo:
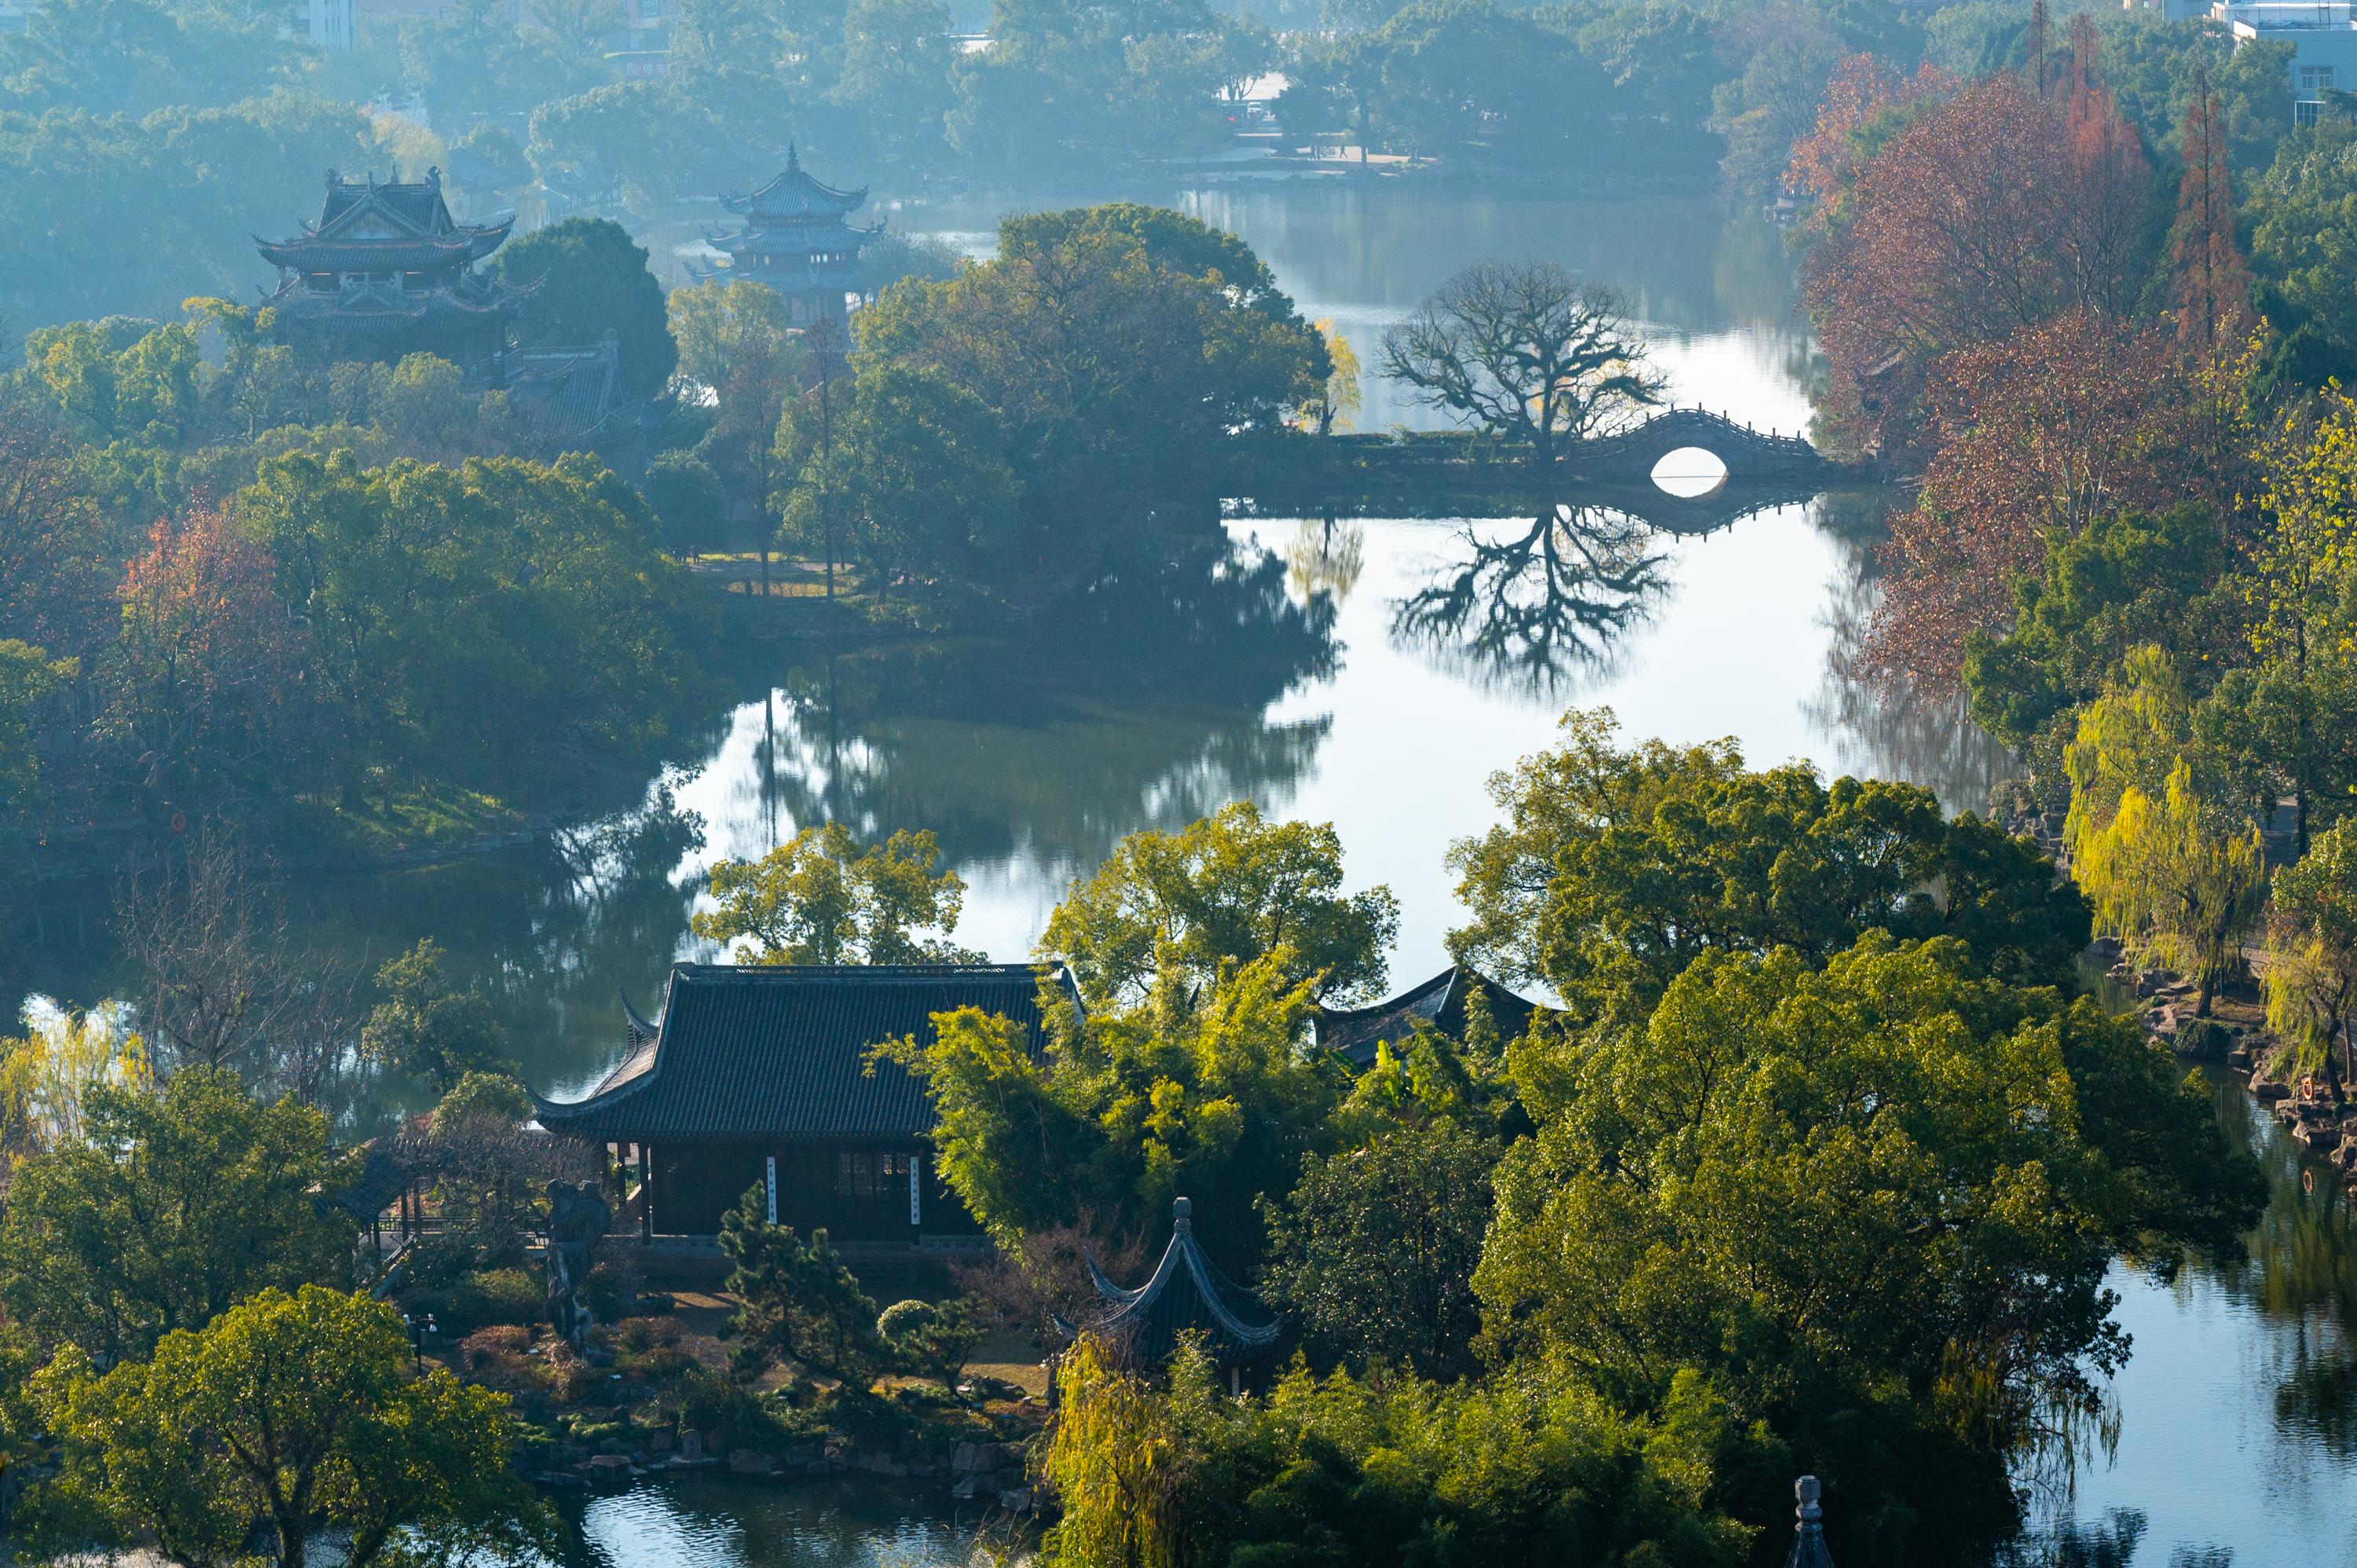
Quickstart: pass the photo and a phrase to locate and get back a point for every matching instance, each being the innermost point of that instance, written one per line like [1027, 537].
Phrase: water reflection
[2238, 1408]
[1533, 606]
[1147, 704]
[712, 1522]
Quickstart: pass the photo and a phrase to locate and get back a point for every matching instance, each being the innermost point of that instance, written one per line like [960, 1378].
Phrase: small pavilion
[1186, 1294]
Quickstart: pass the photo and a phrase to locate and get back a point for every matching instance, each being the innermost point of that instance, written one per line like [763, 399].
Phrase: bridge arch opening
[1689, 472]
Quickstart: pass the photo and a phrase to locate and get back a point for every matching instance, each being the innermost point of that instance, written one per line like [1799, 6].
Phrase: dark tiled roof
[567, 394]
[764, 1052]
[1186, 1294]
[794, 195]
[1439, 1003]
[416, 205]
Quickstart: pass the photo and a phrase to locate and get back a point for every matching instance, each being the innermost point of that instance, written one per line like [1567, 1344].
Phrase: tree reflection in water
[1531, 609]
[1144, 704]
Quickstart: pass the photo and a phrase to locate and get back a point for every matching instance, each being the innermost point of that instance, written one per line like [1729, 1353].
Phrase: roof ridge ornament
[1182, 1216]
[1808, 1528]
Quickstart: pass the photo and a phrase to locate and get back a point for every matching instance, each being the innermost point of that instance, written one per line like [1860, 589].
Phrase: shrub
[485, 1347]
[492, 1296]
[903, 1318]
[728, 1414]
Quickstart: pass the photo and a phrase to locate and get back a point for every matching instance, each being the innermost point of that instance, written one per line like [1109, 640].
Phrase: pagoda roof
[778, 1052]
[365, 225]
[1437, 1003]
[1186, 1294]
[388, 305]
[793, 195]
[309, 252]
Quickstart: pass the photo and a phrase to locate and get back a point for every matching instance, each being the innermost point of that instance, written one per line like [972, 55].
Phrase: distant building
[15, 17]
[1441, 1004]
[2171, 10]
[2323, 37]
[757, 1076]
[332, 24]
[798, 238]
[385, 273]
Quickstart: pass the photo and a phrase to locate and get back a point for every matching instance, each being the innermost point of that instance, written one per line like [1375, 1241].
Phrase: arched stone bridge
[1752, 456]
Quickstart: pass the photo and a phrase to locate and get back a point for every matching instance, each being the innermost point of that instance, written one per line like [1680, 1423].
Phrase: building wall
[859, 1192]
[2323, 37]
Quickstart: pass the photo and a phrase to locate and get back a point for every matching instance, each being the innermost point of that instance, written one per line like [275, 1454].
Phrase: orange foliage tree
[205, 679]
[1994, 212]
[1861, 92]
[2209, 286]
[2078, 415]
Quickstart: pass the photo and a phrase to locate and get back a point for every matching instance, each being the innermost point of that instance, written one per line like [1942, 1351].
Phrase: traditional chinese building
[759, 1076]
[1442, 1004]
[385, 272]
[1186, 1294]
[798, 238]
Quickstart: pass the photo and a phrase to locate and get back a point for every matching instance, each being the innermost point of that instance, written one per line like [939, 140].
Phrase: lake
[1372, 673]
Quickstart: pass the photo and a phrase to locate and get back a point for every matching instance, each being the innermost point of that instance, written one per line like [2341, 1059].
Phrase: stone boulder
[751, 1462]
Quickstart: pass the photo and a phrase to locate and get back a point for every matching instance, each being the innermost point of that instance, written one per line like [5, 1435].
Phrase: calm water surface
[1372, 673]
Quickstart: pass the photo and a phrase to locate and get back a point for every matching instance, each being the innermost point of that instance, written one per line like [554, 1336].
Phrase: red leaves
[1988, 214]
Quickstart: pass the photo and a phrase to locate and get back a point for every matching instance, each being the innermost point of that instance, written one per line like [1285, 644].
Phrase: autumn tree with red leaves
[2078, 415]
[1991, 214]
[205, 680]
[2209, 286]
[1863, 94]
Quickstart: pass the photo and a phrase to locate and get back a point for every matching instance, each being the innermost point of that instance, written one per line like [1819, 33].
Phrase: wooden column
[646, 1193]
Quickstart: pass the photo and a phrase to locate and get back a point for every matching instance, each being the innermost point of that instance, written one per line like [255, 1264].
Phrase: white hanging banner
[916, 1165]
[773, 1189]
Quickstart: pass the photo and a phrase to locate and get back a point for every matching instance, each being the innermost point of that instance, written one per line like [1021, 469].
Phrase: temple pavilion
[1186, 1294]
[798, 238]
[385, 272]
[759, 1076]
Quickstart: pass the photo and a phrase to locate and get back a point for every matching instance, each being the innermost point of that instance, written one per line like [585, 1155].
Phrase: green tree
[1873, 1204]
[909, 482]
[427, 1025]
[2311, 974]
[723, 328]
[897, 59]
[933, 1339]
[2126, 581]
[470, 627]
[1225, 890]
[2303, 230]
[821, 897]
[1374, 1251]
[797, 1300]
[27, 678]
[592, 278]
[1195, 1091]
[1614, 870]
[295, 1413]
[168, 1206]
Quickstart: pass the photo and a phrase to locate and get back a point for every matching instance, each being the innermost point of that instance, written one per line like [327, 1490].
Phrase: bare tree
[1525, 350]
[221, 982]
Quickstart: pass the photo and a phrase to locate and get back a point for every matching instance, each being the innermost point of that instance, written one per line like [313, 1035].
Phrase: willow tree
[1124, 1461]
[2311, 975]
[2172, 884]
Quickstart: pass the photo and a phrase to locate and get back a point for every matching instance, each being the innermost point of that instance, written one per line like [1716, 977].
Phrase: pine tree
[2209, 287]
